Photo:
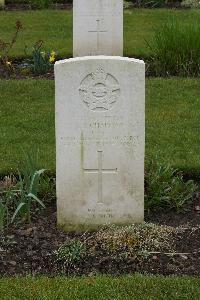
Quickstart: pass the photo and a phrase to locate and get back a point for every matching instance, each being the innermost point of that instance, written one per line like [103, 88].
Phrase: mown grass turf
[27, 120]
[172, 122]
[135, 287]
[54, 27]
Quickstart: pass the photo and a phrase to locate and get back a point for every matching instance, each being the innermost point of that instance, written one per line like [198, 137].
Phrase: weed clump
[165, 188]
[176, 47]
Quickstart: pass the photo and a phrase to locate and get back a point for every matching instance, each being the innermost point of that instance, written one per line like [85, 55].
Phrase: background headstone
[97, 27]
[100, 141]
[2, 3]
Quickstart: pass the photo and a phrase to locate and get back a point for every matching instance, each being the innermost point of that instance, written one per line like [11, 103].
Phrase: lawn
[27, 123]
[100, 287]
[54, 27]
[172, 122]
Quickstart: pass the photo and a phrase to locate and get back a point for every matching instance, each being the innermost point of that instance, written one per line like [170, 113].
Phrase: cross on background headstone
[100, 171]
[98, 31]
[87, 19]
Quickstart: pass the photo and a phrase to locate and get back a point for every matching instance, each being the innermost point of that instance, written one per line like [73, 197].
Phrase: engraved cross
[100, 171]
[98, 31]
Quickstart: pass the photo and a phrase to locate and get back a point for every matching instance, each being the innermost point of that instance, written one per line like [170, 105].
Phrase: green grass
[27, 120]
[55, 28]
[135, 287]
[140, 24]
[172, 122]
[176, 48]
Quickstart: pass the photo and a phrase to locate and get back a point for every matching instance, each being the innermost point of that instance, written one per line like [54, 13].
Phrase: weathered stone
[97, 27]
[100, 141]
[2, 3]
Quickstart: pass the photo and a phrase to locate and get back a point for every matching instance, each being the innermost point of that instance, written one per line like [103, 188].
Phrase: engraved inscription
[98, 32]
[99, 90]
[111, 140]
[100, 172]
[104, 214]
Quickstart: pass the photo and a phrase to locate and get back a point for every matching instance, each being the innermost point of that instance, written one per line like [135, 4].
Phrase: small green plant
[5, 48]
[47, 182]
[40, 4]
[2, 215]
[19, 195]
[28, 185]
[42, 61]
[47, 187]
[151, 3]
[165, 187]
[72, 251]
[7, 200]
[176, 49]
[27, 195]
[127, 4]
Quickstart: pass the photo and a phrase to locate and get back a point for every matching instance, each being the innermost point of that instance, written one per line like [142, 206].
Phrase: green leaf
[34, 181]
[20, 181]
[2, 215]
[30, 195]
[17, 211]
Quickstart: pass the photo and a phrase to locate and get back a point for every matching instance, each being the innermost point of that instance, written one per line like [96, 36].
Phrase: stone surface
[2, 3]
[100, 141]
[97, 27]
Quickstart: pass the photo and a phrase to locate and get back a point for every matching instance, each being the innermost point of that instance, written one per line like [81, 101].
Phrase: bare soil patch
[31, 249]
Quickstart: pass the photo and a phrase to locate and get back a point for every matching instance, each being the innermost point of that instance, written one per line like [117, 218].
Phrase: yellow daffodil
[52, 59]
[52, 56]
[8, 63]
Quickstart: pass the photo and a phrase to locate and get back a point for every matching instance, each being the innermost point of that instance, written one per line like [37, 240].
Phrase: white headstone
[97, 27]
[2, 3]
[100, 141]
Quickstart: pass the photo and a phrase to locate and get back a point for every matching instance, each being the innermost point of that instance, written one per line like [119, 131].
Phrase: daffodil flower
[51, 59]
[52, 56]
[8, 63]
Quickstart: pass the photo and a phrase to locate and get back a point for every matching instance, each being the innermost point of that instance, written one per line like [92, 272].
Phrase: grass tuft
[176, 49]
[165, 187]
